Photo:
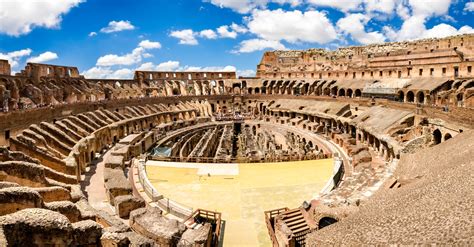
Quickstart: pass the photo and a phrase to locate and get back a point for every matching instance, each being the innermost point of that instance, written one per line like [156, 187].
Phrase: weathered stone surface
[66, 208]
[87, 233]
[54, 193]
[4, 184]
[196, 237]
[125, 204]
[116, 184]
[150, 223]
[16, 198]
[37, 227]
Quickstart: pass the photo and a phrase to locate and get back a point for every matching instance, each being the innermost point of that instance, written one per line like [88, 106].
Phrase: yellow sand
[243, 199]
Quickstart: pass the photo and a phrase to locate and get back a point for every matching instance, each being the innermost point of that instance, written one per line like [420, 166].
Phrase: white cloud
[97, 73]
[414, 25]
[445, 30]
[252, 45]
[14, 56]
[469, 6]
[431, 8]
[292, 26]
[165, 66]
[245, 6]
[92, 34]
[168, 66]
[246, 73]
[414, 28]
[186, 36]
[238, 28]
[107, 73]
[343, 5]
[43, 57]
[382, 6]
[128, 59]
[227, 68]
[134, 57]
[354, 25]
[208, 34]
[224, 32]
[117, 26]
[19, 17]
[147, 44]
[122, 74]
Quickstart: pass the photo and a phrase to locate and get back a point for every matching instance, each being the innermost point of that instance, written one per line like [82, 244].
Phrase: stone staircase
[295, 220]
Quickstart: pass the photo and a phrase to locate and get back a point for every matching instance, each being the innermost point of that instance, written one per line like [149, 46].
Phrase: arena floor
[241, 192]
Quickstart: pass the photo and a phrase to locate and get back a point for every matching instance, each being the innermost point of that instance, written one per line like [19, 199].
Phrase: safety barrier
[164, 204]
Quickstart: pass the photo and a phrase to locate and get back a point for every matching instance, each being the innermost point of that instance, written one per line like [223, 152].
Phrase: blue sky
[112, 38]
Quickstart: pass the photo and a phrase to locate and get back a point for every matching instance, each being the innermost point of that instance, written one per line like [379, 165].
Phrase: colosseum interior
[367, 145]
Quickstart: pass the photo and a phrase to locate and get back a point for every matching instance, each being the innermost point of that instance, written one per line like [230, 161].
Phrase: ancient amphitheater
[369, 145]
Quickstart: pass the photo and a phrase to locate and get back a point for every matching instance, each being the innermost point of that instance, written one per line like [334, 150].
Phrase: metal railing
[285, 158]
[165, 204]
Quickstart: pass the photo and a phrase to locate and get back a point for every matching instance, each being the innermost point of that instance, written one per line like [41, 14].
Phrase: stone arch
[349, 93]
[342, 92]
[459, 98]
[437, 136]
[410, 97]
[334, 90]
[401, 96]
[420, 96]
[358, 93]
[326, 221]
[257, 90]
[447, 136]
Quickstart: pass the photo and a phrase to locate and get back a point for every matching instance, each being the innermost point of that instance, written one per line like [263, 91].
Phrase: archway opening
[447, 136]
[358, 93]
[410, 96]
[437, 136]
[421, 97]
[349, 93]
[342, 92]
[326, 221]
[401, 96]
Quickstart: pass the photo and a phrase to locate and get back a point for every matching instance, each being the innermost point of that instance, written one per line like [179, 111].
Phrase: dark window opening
[326, 221]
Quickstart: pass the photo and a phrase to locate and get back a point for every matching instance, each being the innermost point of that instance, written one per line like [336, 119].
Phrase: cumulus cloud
[189, 37]
[92, 34]
[19, 17]
[147, 44]
[208, 34]
[246, 73]
[433, 8]
[13, 57]
[469, 7]
[414, 25]
[43, 57]
[238, 28]
[186, 36]
[354, 25]
[224, 32]
[251, 45]
[165, 66]
[117, 26]
[381, 6]
[246, 6]
[107, 73]
[134, 57]
[292, 26]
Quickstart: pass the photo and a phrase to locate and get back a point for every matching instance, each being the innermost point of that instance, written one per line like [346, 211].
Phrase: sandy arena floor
[241, 192]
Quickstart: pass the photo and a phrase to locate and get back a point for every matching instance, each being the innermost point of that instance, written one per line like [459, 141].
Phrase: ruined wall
[448, 57]
[5, 68]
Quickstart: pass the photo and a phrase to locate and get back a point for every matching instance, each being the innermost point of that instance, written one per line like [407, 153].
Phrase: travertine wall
[448, 57]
